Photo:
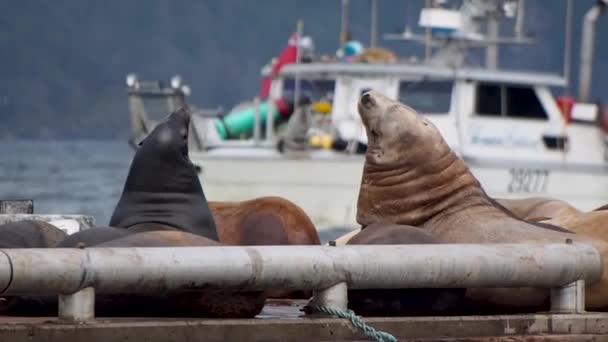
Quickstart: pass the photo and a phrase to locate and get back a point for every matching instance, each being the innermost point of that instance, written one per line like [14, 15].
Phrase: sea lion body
[593, 224]
[163, 205]
[216, 303]
[537, 208]
[93, 236]
[559, 213]
[29, 234]
[263, 221]
[412, 177]
[162, 186]
[399, 302]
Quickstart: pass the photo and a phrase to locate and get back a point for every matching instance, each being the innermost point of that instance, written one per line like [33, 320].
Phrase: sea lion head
[410, 173]
[163, 186]
[396, 133]
[169, 137]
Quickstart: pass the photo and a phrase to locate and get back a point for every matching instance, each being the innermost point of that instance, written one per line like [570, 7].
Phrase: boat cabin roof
[333, 70]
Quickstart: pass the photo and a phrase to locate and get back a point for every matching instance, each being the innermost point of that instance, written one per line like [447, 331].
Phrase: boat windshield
[315, 90]
[426, 96]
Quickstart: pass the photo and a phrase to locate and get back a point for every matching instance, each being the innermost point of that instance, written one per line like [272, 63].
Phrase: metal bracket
[335, 297]
[569, 298]
[78, 306]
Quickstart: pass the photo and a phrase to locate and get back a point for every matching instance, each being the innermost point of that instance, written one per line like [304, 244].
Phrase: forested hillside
[63, 62]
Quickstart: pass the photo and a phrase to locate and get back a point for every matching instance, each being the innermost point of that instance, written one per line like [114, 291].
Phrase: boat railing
[77, 275]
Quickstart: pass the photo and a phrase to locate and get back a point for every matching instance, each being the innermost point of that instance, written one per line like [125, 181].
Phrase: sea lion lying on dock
[593, 224]
[537, 208]
[29, 234]
[559, 213]
[412, 177]
[533, 209]
[400, 302]
[267, 220]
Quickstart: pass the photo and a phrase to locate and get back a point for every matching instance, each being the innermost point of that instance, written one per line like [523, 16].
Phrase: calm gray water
[67, 177]
[70, 177]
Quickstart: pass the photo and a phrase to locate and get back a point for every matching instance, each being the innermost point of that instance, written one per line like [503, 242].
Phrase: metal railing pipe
[140, 270]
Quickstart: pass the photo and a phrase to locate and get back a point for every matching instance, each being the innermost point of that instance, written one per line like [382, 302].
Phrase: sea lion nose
[367, 100]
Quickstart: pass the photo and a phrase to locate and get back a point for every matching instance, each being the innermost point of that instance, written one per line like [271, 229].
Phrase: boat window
[523, 103]
[488, 100]
[314, 89]
[429, 97]
[508, 101]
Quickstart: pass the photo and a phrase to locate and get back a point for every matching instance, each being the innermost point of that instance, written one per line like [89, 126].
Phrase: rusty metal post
[78, 306]
[569, 298]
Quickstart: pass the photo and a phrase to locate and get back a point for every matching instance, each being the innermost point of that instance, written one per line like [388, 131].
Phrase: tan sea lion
[593, 224]
[559, 213]
[400, 302]
[412, 177]
[538, 208]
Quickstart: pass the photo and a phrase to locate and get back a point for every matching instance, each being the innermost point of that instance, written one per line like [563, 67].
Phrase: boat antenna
[427, 37]
[492, 34]
[567, 46]
[344, 23]
[586, 59]
[300, 27]
[373, 41]
[519, 20]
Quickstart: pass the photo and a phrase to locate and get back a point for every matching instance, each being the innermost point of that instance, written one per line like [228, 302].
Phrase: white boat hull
[327, 187]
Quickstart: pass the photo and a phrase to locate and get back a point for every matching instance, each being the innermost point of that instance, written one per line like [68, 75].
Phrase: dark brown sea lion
[265, 221]
[162, 187]
[400, 302]
[216, 303]
[29, 234]
[163, 204]
[412, 177]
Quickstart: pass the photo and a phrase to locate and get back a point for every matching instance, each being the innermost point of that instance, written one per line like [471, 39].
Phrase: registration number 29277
[528, 180]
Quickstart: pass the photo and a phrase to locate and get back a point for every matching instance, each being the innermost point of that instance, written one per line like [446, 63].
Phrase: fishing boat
[302, 138]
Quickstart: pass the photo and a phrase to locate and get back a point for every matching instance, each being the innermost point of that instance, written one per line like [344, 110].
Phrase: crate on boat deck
[21, 210]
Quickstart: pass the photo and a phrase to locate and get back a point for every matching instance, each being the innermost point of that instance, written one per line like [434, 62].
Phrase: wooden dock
[280, 322]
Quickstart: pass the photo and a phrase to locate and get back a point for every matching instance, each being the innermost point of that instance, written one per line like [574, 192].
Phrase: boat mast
[584, 75]
[344, 23]
[567, 46]
[492, 35]
[373, 41]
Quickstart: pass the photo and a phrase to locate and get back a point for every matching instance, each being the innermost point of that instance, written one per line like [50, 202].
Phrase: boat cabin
[497, 116]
